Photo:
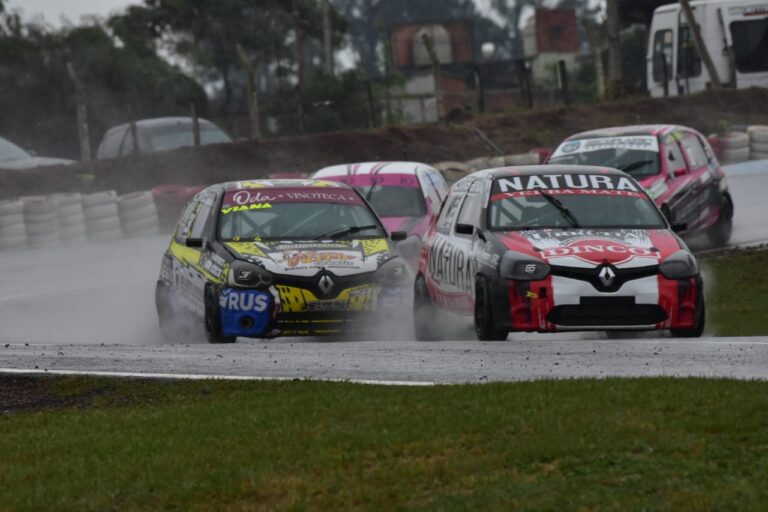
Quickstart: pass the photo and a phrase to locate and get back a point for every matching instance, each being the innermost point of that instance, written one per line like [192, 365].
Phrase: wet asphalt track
[57, 308]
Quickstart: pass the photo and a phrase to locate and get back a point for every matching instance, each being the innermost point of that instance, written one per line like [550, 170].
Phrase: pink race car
[675, 165]
[406, 196]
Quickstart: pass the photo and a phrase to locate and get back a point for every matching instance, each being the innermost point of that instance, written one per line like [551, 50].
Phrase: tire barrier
[71, 218]
[758, 142]
[735, 140]
[41, 217]
[138, 214]
[733, 156]
[102, 217]
[13, 231]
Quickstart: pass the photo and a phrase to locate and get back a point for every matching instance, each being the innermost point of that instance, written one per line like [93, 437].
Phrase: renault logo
[325, 284]
[607, 276]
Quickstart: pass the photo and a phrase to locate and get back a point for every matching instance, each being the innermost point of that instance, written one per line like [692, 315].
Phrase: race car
[268, 258]
[406, 195]
[676, 166]
[554, 248]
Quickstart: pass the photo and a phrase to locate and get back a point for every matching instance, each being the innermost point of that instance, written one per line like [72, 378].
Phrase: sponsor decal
[213, 264]
[593, 245]
[317, 258]
[248, 249]
[248, 197]
[487, 258]
[749, 10]
[371, 247]
[299, 300]
[531, 295]
[658, 189]
[450, 265]
[639, 143]
[381, 180]
[244, 301]
[572, 182]
[246, 208]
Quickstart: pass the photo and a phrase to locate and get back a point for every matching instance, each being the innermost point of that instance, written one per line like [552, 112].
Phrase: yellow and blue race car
[268, 258]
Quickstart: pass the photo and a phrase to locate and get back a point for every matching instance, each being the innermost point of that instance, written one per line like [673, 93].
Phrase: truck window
[662, 55]
[750, 44]
[688, 59]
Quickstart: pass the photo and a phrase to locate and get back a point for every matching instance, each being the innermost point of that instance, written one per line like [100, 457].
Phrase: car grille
[608, 312]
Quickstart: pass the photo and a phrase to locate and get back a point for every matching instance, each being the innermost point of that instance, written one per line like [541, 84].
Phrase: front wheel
[485, 325]
[213, 318]
[698, 328]
[425, 325]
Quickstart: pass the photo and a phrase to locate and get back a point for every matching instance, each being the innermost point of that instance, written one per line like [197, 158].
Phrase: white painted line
[182, 376]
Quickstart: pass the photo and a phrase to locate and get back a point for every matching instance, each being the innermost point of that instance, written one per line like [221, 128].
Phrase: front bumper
[559, 304]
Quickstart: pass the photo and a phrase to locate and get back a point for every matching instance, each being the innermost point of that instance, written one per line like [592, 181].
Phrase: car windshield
[296, 214]
[391, 201]
[568, 201]
[182, 136]
[637, 156]
[10, 151]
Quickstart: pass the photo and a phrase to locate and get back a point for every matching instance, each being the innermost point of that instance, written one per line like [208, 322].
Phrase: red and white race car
[675, 165]
[555, 248]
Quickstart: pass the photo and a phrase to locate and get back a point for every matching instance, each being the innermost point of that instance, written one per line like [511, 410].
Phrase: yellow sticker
[247, 249]
[246, 207]
[371, 247]
[531, 295]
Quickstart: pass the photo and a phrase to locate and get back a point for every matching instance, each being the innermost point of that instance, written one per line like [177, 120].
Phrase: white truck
[735, 32]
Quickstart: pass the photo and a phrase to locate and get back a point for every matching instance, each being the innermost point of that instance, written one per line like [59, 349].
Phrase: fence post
[371, 111]
[525, 82]
[135, 138]
[253, 95]
[562, 80]
[195, 124]
[436, 74]
[82, 116]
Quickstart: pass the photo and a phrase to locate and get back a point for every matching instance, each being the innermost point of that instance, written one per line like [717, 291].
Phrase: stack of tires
[138, 214]
[102, 216]
[758, 142]
[735, 147]
[71, 218]
[13, 231]
[41, 216]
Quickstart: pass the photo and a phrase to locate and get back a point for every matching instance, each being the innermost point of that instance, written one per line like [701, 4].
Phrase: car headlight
[681, 265]
[410, 247]
[248, 275]
[393, 272]
[521, 267]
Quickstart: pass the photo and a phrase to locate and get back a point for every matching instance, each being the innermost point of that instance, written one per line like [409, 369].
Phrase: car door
[682, 205]
[703, 183]
[441, 248]
[188, 275]
[464, 239]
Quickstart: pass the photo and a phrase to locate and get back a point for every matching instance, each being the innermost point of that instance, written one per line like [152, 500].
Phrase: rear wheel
[485, 325]
[720, 233]
[213, 318]
[698, 328]
[425, 325]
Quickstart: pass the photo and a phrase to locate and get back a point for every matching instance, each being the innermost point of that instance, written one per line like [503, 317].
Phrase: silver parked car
[160, 134]
[16, 159]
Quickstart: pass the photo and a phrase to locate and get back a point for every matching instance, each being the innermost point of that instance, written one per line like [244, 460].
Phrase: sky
[53, 10]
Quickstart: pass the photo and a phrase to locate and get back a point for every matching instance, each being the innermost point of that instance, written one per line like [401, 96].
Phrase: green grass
[736, 285]
[651, 444]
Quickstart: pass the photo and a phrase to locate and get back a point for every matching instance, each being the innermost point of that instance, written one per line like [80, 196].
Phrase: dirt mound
[513, 132]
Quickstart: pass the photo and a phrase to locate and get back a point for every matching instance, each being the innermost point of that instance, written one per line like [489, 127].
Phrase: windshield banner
[254, 199]
[565, 184]
[381, 180]
[638, 143]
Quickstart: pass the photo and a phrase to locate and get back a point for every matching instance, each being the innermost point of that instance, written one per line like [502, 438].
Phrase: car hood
[31, 163]
[300, 258]
[587, 248]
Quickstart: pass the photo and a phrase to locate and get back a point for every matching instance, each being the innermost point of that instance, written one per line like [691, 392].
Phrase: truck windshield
[750, 44]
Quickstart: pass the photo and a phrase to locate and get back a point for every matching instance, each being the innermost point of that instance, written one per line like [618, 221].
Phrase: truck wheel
[485, 326]
[720, 233]
[213, 318]
[425, 325]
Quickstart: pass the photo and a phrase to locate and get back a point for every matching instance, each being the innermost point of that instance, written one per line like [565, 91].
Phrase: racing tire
[147, 225]
[15, 243]
[701, 319]
[135, 201]
[759, 147]
[425, 313]
[145, 212]
[99, 198]
[720, 234]
[736, 155]
[212, 321]
[757, 155]
[758, 134]
[11, 208]
[102, 211]
[735, 140]
[485, 325]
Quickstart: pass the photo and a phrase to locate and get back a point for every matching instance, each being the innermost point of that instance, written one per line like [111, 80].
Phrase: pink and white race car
[675, 165]
[406, 196]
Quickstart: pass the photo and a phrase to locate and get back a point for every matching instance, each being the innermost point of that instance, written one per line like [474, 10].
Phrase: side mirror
[194, 243]
[398, 236]
[679, 227]
[465, 229]
[680, 172]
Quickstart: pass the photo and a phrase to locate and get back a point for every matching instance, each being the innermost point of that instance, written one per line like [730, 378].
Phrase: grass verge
[658, 444]
[737, 293]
